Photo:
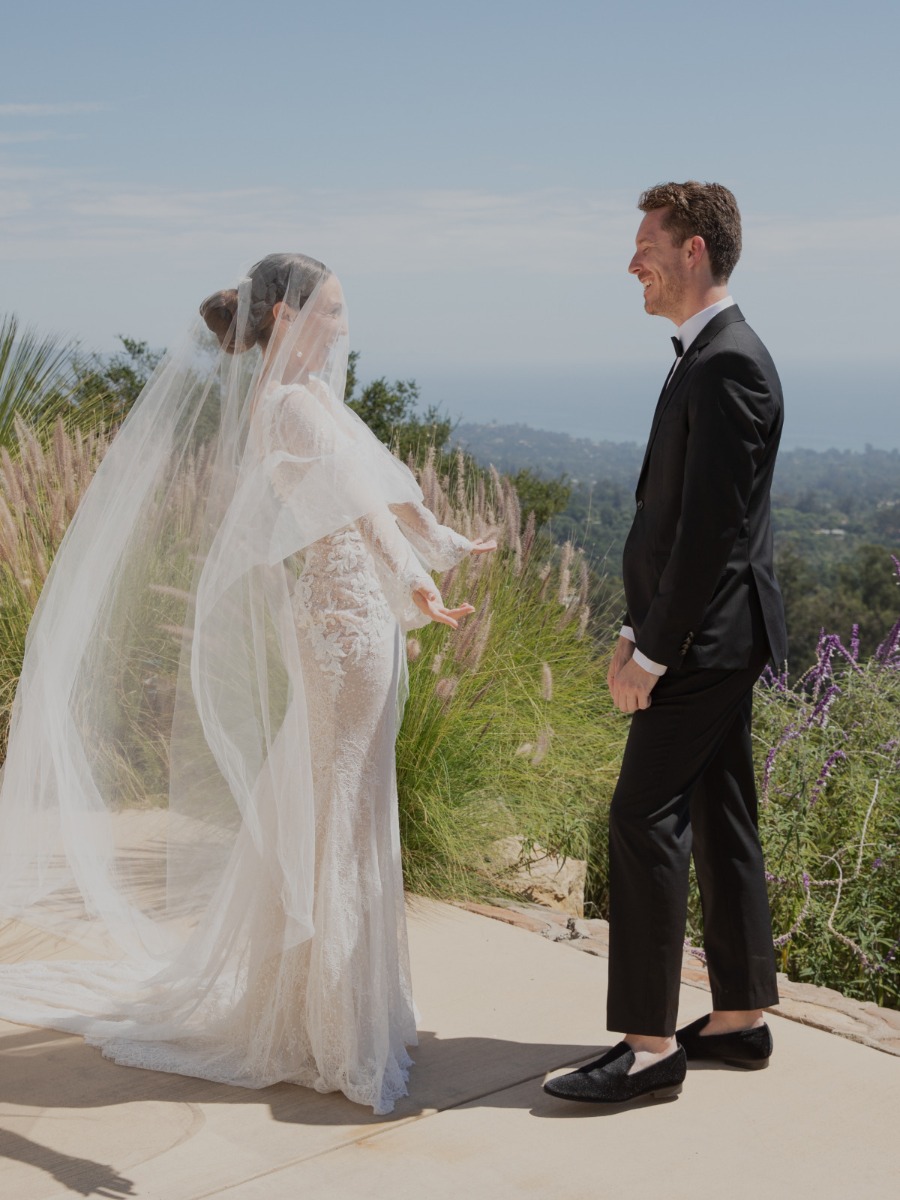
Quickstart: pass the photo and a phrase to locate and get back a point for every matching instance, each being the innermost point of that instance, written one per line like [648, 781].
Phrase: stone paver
[820, 1007]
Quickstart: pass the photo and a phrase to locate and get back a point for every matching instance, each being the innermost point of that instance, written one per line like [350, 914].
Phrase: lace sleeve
[297, 426]
[321, 471]
[305, 430]
[393, 551]
[440, 546]
[399, 570]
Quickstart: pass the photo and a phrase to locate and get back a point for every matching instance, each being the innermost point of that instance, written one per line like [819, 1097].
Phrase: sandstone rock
[539, 876]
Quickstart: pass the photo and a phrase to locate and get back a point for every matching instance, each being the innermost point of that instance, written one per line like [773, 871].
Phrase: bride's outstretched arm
[440, 546]
[392, 551]
[404, 575]
[310, 431]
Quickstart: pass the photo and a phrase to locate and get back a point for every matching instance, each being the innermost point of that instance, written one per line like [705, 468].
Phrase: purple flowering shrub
[828, 757]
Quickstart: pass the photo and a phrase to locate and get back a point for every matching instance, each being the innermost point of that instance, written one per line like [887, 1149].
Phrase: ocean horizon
[835, 407]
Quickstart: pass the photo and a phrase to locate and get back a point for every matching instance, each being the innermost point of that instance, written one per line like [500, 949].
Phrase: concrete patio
[500, 1009]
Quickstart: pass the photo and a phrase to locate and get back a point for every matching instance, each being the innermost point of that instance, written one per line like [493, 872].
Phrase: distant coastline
[842, 407]
[873, 472]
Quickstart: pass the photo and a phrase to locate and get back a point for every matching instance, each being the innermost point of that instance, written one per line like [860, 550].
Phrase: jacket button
[640, 505]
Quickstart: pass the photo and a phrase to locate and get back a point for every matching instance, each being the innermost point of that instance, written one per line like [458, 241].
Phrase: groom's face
[660, 267]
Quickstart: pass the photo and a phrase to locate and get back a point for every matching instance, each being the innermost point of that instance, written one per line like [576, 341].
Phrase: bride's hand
[482, 546]
[428, 601]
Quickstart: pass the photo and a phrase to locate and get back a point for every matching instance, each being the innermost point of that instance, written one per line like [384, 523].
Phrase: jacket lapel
[703, 338]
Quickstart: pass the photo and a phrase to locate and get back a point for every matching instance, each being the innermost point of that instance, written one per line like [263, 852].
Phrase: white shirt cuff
[648, 664]
[641, 659]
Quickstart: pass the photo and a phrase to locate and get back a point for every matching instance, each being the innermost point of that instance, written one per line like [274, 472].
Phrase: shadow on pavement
[45, 1070]
[80, 1176]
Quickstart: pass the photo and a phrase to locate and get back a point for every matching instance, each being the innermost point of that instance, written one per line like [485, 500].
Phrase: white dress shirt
[688, 333]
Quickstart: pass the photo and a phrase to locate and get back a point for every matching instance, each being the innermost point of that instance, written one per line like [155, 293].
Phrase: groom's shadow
[47, 1070]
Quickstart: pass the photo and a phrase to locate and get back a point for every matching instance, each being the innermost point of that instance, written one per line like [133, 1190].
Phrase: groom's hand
[622, 653]
[632, 686]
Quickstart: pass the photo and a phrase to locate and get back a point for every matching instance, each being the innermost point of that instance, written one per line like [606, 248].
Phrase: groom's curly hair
[706, 210]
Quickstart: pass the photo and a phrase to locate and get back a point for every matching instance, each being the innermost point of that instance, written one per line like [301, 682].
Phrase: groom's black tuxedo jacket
[698, 572]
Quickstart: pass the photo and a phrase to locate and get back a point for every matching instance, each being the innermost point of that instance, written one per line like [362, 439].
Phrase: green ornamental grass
[509, 730]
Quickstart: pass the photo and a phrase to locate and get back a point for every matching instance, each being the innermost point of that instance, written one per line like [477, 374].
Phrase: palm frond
[37, 377]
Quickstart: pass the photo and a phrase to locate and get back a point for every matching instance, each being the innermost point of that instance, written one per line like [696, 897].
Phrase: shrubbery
[829, 764]
[509, 729]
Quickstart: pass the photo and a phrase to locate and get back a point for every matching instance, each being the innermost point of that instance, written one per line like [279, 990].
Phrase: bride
[199, 848]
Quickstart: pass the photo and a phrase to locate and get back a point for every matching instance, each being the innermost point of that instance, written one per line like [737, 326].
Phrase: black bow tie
[679, 349]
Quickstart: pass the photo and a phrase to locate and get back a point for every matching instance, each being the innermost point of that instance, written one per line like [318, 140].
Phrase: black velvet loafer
[607, 1081]
[747, 1048]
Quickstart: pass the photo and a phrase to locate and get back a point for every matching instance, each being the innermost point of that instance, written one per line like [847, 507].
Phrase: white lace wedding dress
[245, 1001]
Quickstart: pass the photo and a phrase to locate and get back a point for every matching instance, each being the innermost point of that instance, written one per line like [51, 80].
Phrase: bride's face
[324, 321]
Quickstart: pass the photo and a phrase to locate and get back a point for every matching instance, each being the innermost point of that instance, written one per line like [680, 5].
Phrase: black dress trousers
[687, 785]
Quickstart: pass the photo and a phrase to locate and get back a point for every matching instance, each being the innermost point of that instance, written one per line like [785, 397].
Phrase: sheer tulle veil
[152, 842]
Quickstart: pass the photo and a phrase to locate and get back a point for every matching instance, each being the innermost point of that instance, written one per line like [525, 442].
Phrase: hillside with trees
[836, 515]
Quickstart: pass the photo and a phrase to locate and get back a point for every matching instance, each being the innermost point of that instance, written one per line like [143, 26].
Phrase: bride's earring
[298, 354]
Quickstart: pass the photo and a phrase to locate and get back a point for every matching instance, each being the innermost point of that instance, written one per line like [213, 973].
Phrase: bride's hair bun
[291, 278]
[219, 311]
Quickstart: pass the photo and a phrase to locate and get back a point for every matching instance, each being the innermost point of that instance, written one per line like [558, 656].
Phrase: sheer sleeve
[440, 546]
[398, 567]
[300, 429]
[323, 466]
[319, 459]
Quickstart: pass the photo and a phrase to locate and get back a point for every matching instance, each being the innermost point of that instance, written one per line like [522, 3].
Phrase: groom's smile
[659, 266]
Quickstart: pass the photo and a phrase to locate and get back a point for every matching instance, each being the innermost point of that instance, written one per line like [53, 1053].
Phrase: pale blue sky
[470, 171]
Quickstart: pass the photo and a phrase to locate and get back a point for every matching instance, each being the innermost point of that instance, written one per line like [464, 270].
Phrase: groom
[704, 616]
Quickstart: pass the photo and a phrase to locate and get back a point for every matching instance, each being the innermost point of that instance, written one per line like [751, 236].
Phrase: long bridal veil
[157, 825]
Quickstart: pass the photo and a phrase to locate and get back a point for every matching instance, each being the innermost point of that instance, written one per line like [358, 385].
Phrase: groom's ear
[695, 249]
